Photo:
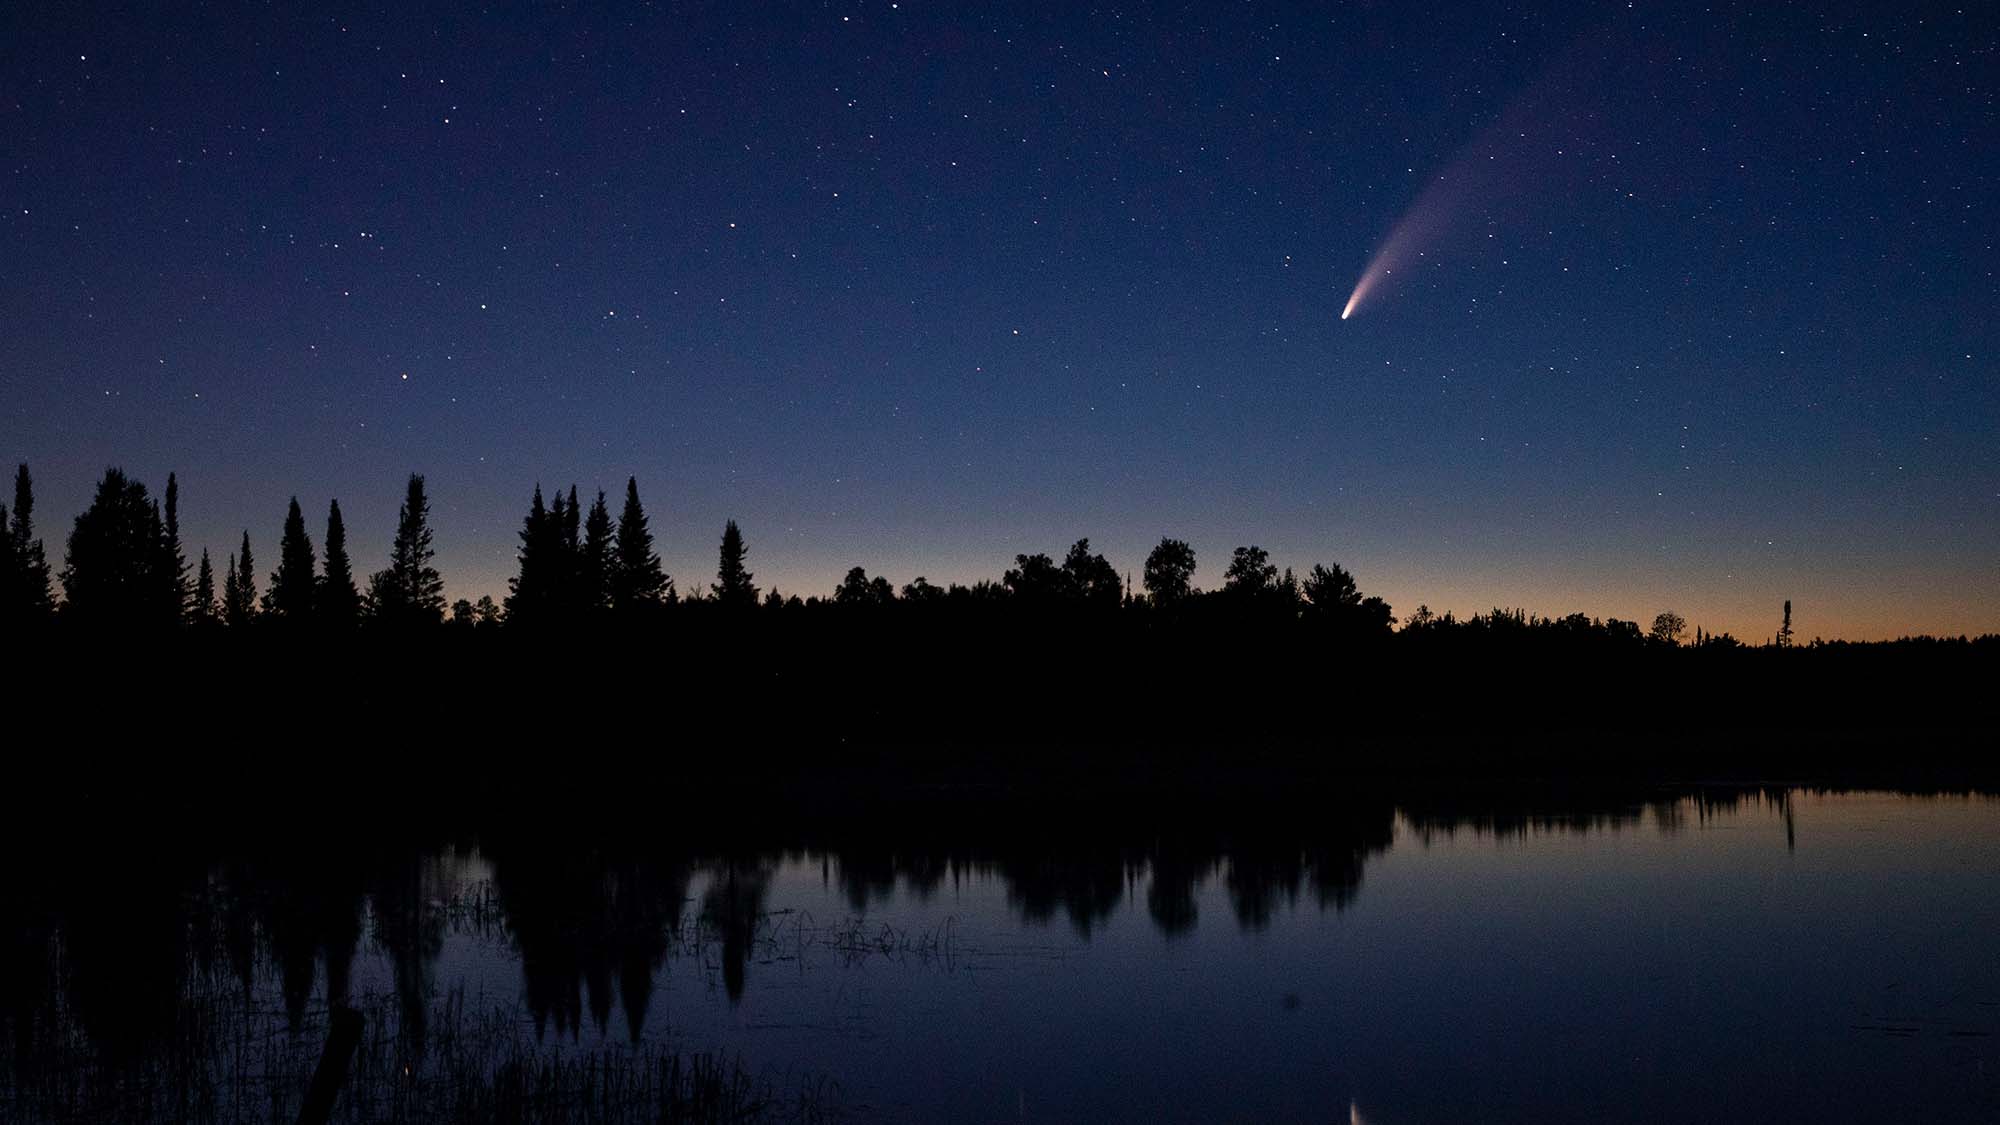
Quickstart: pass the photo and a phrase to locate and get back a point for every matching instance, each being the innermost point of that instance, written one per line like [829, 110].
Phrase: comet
[1506, 162]
[1436, 208]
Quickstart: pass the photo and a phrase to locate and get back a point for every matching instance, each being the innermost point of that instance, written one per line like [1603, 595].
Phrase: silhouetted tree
[485, 613]
[202, 613]
[1331, 591]
[595, 565]
[112, 574]
[410, 592]
[1169, 573]
[569, 522]
[853, 590]
[1785, 632]
[637, 582]
[920, 590]
[290, 598]
[239, 587]
[1091, 578]
[1375, 616]
[337, 603]
[530, 591]
[1036, 580]
[1250, 573]
[1668, 627]
[732, 586]
[173, 562]
[24, 566]
[462, 614]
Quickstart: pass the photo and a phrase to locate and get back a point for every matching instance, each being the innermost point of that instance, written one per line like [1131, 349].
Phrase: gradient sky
[1705, 319]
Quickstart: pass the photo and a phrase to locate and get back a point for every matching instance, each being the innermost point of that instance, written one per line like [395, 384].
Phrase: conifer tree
[595, 563]
[336, 602]
[111, 573]
[291, 598]
[637, 582]
[528, 591]
[232, 593]
[239, 588]
[569, 594]
[410, 592]
[202, 612]
[733, 585]
[173, 561]
[24, 566]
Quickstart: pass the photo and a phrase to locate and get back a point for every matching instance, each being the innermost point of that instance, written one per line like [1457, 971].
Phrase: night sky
[1692, 307]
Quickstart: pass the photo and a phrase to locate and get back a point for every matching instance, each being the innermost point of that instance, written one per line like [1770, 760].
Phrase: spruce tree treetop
[336, 601]
[239, 587]
[733, 585]
[291, 597]
[174, 561]
[595, 564]
[201, 613]
[637, 581]
[528, 591]
[413, 591]
[112, 573]
[24, 566]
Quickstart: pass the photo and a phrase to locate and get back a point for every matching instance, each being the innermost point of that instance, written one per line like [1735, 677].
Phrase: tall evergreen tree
[410, 592]
[239, 588]
[337, 603]
[291, 598]
[732, 586]
[24, 566]
[173, 560]
[111, 573]
[528, 592]
[202, 611]
[594, 565]
[569, 521]
[637, 582]
[232, 593]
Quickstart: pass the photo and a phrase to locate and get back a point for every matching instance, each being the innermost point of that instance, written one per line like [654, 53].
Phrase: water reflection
[595, 918]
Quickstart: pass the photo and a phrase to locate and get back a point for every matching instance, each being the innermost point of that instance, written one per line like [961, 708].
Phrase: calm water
[1784, 955]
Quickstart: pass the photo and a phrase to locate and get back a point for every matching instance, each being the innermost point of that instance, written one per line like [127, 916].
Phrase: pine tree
[173, 561]
[410, 592]
[637, 582]
[24, 566]
[291, 598]
[111, 573]
[528, 591]
[239, 588]
[336, 602]
[569, 523]
[594, 565]
[202, 613]
[732, 585]
[232, 594]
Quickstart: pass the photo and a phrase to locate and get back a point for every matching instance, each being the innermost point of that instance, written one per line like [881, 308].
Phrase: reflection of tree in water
[595, 925]
[1087, 884]
[734, 904]
[579, 919]
[409, 925]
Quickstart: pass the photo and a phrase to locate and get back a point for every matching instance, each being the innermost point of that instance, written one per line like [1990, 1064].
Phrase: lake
[1691, 954]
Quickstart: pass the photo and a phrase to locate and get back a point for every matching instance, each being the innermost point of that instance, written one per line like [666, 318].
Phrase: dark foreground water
[1768, 954]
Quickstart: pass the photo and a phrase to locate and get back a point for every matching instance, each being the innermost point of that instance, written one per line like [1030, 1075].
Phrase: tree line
[124, 566]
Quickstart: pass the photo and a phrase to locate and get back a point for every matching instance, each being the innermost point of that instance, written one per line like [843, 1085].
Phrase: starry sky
[1693, 306]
